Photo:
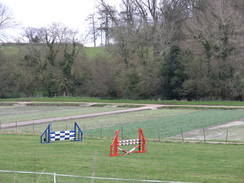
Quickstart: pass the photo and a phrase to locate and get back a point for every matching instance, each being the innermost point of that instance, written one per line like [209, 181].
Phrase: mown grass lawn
[206, 163]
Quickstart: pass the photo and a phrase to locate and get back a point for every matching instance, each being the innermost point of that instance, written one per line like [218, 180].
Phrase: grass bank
[100, 100]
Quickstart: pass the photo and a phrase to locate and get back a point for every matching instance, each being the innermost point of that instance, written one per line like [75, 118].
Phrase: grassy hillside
[163, 161]
[9, 50]
[90, 52]
[94, 53]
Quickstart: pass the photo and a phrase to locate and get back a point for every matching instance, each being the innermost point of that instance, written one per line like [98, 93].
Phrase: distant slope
[95, 52]
[14, 48]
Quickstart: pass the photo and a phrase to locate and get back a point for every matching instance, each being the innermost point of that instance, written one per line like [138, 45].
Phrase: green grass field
[104, 122]
[22, 113]
[206, 163]
[157, 124]
[173, 122]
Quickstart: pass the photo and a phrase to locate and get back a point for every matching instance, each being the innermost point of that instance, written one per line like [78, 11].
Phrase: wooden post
[159, 135]
[101, 132]
[33, 128]
[227, 134]
[16, 127]
[122, 132]
[84, 127]
[182, 136]
[204, 135]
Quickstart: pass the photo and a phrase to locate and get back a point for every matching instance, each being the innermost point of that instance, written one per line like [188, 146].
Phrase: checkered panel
[129, 142]
[62, 135]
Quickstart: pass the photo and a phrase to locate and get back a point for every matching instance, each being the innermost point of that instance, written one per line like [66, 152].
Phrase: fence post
[182, 135]
[54, 178]
[14, 178]
[227, 134]
[159, 135]
[101, 132]
[33, 128]
[84, 129]
[204, 135]
[122, 132]
[16, 127]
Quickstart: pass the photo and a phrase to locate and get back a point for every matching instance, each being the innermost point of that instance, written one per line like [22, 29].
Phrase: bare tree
[54, 57]
[107, 18]
[146, 23]
[34, 35]
[6, 21]
[214, 35]
[93, 32]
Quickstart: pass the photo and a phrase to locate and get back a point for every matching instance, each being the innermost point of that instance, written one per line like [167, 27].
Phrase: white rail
[88, 177]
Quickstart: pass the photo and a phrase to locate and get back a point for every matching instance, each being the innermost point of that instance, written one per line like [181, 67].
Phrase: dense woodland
[154, 49]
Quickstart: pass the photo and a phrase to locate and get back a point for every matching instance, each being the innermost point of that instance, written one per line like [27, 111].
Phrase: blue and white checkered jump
[49, 136]
[62, 135]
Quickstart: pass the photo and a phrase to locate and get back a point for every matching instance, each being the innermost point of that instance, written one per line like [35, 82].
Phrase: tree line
[167, 49]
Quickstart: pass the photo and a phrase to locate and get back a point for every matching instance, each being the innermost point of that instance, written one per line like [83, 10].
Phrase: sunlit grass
[163, 161]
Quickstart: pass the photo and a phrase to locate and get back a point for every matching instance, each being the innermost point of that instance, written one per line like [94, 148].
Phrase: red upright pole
[141, 148]
[114, 145]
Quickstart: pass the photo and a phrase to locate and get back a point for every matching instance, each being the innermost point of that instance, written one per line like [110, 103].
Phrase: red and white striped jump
[140, 142]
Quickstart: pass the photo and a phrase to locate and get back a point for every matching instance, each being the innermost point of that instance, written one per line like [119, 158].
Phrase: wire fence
[229, 135]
